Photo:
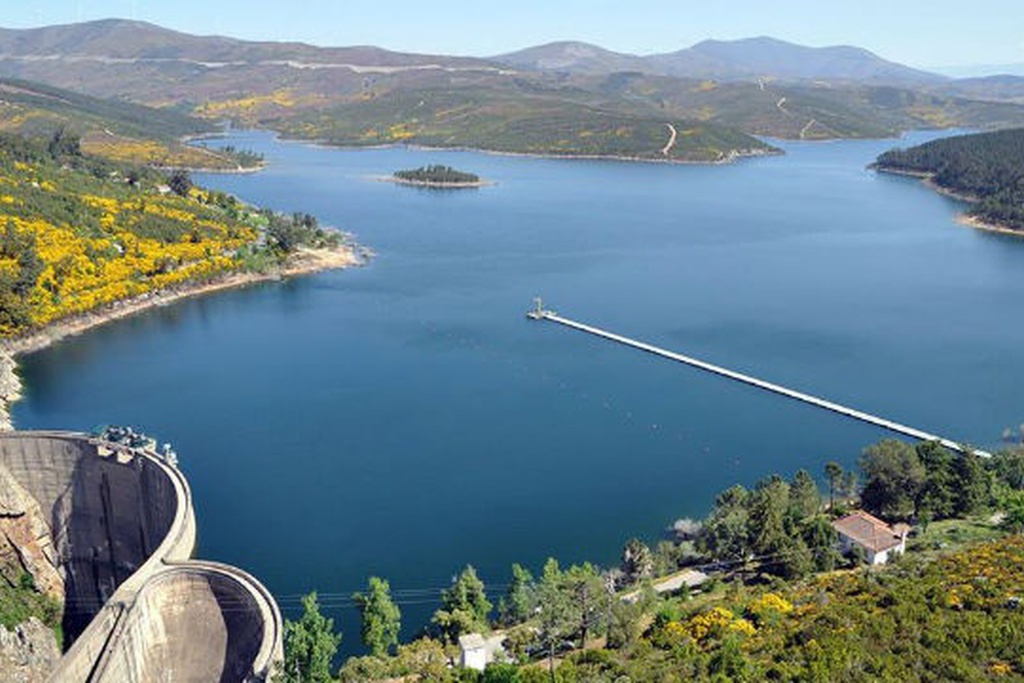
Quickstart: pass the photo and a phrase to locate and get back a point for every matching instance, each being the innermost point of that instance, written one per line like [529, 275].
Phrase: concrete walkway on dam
[540, 314]
[137, 607]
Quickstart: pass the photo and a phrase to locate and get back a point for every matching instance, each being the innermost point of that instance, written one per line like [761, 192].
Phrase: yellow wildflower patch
[1000, 669]
[102, 242]
[400, 131]
[771, 602]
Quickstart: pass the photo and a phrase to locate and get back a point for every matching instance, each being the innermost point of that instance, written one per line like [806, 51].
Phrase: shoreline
[928, 179]
[731, 157]
[978, 224]
[304, 261]
[187, 140]
[434, 185]
[238, 170]
[962, 218]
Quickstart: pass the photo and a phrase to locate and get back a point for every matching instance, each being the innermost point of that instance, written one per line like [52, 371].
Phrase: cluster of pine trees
[437, 174]
[988, 167]
[775, 609]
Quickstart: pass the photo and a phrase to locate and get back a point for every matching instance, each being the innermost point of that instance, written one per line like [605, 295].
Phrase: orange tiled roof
[868, 531]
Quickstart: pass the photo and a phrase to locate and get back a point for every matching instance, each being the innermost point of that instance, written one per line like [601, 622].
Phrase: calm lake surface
[404, 419]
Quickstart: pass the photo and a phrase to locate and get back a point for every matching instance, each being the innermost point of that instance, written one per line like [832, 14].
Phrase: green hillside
[987, 168]
[364, 95]
[124, 118]
[117, 130]
[78, 232]
[514, 120]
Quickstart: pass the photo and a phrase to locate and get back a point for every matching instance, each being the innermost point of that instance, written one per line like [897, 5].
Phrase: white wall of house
[847, 544]
[474, 658]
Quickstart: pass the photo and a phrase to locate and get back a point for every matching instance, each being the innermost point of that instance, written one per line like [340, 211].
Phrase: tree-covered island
[437, 175]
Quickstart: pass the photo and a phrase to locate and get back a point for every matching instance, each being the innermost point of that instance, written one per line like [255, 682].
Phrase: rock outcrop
[25, 543]
[10, 388]
[28, 652]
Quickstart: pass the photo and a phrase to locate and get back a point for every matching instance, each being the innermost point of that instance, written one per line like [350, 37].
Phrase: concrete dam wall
[137, 609]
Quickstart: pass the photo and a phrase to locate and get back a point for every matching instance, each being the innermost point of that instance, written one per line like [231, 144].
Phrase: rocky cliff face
[10, 388]
[25, 543]
[28, 652]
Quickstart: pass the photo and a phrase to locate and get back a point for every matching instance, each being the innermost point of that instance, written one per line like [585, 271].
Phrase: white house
[476, 652]
[874, 537]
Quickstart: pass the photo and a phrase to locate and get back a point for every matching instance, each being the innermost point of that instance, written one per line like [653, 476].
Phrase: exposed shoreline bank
[238, 170]
[731, 157]
[965, 219]
[305, 261]
[978, 224]
[434, 185]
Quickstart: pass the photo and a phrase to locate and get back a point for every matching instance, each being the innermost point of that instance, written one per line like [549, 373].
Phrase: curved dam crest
[137, 608]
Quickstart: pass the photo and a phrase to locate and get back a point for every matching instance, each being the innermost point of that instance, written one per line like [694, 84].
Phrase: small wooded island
[439, 176]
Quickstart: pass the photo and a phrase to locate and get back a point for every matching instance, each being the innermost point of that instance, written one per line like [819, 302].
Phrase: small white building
[476, 652]
[874, 537]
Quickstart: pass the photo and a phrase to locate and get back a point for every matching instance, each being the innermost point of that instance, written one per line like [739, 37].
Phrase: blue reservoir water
[404, 419]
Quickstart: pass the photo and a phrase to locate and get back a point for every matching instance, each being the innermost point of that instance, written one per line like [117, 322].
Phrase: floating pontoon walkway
[539, 313]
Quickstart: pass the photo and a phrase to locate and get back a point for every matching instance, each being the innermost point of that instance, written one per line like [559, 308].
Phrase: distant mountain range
[125, 40]
[751, 58]
[114, 41]
[980, 70]
[702, 103]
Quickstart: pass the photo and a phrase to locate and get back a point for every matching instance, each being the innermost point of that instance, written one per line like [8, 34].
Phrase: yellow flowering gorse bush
[97, 246]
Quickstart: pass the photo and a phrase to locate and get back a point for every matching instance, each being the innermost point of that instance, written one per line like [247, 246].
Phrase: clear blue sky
[916, 32]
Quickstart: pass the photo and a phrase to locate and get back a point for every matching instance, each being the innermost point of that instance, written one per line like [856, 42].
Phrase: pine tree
[382, 619]
[833, 472]
[804, 498]
[637, 562]
[971, 483]
[520, 599]
[309, 645]
[464, 606]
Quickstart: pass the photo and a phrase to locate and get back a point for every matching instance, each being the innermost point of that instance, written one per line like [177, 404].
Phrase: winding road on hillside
[671, 141]
[289, 63]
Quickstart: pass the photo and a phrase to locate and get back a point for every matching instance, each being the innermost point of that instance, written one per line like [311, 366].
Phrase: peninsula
[87, 240]
[984, 169]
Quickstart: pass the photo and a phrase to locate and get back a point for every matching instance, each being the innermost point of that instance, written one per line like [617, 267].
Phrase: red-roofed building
[878, 540]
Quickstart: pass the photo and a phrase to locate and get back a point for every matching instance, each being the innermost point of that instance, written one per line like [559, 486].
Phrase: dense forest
[437, 175]
[779, 601]
[78, 232]
[987, 168]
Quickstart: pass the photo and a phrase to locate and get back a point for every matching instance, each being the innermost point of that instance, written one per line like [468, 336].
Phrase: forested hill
[985, 167]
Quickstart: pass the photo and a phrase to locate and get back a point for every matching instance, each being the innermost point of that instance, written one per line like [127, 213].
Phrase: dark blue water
[404, 419]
